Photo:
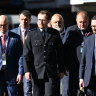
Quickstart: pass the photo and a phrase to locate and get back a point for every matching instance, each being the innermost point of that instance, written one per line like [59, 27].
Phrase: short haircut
[26, 13]
[47, 13]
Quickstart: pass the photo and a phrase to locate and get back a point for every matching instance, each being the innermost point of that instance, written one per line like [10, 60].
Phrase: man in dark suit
[87, 72]
[57, 22]
[23, 29]
[11, 67]
[43, 58]
[73, 43]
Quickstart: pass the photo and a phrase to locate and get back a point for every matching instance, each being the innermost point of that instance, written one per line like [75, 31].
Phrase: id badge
[82, 44]
[3, 59]
[81, 50]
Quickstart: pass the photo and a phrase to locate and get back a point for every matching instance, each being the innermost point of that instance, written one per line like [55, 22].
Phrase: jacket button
[44, 51]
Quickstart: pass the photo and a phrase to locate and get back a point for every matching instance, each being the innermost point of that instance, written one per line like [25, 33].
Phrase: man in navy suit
[11, 67]
[23, 29]
[73, 43]
[87, 72]
[43, 58]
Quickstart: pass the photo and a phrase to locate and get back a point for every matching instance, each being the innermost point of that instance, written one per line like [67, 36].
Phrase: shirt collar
[63, 32]
[22, 29]
[43, 29]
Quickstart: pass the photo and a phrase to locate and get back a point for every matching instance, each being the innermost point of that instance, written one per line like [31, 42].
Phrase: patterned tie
[3, 38]
[3, 42]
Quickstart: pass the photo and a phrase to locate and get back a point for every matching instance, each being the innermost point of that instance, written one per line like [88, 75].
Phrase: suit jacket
[18, 31]
[87, 60]
[43, 57]
[73, 42]
[13, 54]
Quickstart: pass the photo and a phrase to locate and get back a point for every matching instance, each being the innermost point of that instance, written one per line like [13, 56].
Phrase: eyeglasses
[3, 25]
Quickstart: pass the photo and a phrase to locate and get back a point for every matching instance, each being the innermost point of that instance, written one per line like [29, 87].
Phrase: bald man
[73, 45]
[57, 22]
[10, 59]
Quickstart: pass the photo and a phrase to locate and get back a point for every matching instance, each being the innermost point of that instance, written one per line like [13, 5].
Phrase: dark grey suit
[44, 59]
[87, 66]
[87, 60]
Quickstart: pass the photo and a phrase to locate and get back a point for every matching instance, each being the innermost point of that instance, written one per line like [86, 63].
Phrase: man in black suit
[57, 22]
[73, 43]
[43, 58]
[87, 72]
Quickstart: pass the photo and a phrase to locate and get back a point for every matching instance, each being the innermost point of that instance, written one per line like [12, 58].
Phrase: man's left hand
[19, 79]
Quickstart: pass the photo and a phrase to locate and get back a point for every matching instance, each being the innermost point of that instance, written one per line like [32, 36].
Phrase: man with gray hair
[57, 22]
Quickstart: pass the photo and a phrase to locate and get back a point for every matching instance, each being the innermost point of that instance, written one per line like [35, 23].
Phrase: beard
[59, 29]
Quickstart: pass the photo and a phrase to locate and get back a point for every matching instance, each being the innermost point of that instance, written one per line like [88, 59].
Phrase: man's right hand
[28, 76]
[81, 83]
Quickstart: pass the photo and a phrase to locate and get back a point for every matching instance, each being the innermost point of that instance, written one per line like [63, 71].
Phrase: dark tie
[44, 34]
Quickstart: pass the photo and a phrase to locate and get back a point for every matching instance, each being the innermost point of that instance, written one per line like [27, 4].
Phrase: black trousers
[91, 89]
[51, 87]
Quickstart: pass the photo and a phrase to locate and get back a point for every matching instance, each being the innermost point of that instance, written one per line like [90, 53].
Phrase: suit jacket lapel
[93, 48]
[0, 53]
[39, 35]
[19, 32]
[8, 44]
[0, 45]
[92, 43]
